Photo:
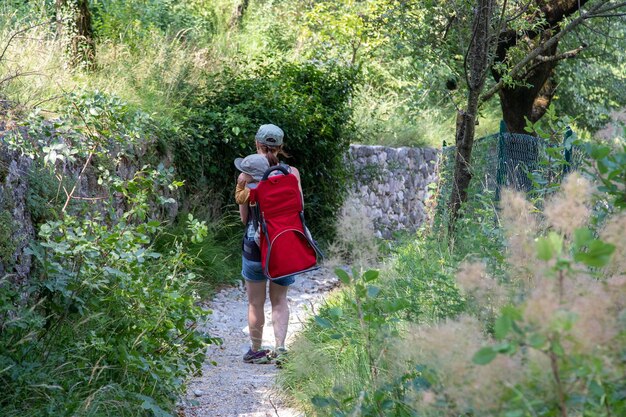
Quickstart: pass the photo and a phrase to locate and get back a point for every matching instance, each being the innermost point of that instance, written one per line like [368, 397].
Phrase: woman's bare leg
[280, 312]
[256, 315]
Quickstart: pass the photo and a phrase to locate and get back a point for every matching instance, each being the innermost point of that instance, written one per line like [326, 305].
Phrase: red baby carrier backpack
[286, 245]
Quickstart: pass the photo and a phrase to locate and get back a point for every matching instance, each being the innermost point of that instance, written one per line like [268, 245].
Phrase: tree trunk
[477, 64]
[74, 23]
[531, 99]
[238, 13]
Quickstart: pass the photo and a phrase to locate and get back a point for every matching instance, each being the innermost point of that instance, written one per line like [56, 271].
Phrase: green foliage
[590, 87]
[129, 21]
[550, 127]
[7, 227]
[105, 324]
[45, 197]
[91, 122]
[555, 158]
[345, 342]
[429, 266]
[608, 163]
[308, 101]
[107, 317]
[517, 335]
[107, 118]
[348, 340]
[210, 255]
[375, 314]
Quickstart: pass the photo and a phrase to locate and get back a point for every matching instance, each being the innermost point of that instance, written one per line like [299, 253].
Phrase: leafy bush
[113, 19]
[105, 324]
[542, 333]
[347, 345]
[210, 259]
[107, 319]
[342, 351]
[556, 344]
[308, 101]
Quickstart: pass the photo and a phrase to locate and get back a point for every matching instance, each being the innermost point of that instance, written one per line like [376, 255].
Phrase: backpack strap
[251, 250]
[254, 212]
[280, 167]
[285, 165]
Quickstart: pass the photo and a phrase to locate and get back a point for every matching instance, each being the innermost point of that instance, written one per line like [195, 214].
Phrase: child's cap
[254, 165]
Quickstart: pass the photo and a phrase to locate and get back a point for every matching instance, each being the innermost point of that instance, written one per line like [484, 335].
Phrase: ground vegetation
[521, 316]
[148, 102]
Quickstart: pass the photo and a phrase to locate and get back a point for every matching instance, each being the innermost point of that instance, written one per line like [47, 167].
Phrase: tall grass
[156, 76]
[388, 119]
[215, 261]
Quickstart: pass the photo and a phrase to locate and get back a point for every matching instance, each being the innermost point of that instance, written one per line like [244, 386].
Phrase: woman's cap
[270, 135]
[254, 165]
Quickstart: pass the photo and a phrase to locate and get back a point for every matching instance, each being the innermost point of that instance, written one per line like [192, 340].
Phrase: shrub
[308, 101]
[552, 345]
[210, 259]
[104, 324]
[110, 325]
[112, 19]
[347, 344]
[556, 345]
[356, 243]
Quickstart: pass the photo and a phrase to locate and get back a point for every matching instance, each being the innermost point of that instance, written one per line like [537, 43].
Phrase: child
[252, 168]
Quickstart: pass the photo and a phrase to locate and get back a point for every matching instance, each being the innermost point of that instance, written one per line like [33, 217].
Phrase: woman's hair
[272, 152]
[271, 158]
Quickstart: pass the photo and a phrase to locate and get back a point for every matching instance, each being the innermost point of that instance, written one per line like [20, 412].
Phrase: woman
[269, 142]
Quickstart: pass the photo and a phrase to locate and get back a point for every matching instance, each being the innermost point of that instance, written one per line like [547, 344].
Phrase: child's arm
[242, 193]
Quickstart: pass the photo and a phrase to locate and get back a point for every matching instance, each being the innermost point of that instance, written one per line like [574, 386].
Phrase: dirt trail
[236, 389]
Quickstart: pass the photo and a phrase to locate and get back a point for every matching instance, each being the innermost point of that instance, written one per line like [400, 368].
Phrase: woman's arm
[296, 174]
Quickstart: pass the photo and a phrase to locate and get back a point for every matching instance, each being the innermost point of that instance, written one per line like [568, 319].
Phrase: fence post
[501, 171]
[567, 150]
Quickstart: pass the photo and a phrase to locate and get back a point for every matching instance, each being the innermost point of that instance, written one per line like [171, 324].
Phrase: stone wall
[27, 190]
[392, 184]
[16, 226]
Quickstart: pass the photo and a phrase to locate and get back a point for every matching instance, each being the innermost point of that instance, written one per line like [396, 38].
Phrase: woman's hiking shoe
[280, 356]
[258, 357]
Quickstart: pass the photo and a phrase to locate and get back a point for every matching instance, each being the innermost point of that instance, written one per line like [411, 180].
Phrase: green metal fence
[511, 160]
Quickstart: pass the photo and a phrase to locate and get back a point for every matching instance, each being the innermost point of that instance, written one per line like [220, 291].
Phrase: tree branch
[609, 8]
[609, 15]
[551, 58]
[18, 74]
[6, 47]
[564, 55]
[540, 49]
[502, 22]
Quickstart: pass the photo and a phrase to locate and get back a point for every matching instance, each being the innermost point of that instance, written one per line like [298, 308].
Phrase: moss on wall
[7, 243]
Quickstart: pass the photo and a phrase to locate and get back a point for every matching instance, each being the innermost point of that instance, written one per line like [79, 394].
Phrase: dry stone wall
[392, 184]
[16, 226]
[27, 189]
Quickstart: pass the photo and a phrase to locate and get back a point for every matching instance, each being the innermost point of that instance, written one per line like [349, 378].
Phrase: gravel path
[236, 389]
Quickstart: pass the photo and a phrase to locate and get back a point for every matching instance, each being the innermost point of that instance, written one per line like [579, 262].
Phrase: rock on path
[233, 388]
